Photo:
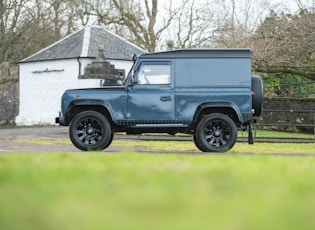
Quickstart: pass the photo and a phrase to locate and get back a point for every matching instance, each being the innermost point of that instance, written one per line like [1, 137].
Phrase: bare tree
[193, 25]
[27, 26]
[141, 22]
[285, 44]
[238, 21]
[149, 23]
[12, 13]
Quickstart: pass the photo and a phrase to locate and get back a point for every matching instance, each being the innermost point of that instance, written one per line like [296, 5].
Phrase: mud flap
[250, 135]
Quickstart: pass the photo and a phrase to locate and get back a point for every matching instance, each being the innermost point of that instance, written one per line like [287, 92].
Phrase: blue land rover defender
[208, 93]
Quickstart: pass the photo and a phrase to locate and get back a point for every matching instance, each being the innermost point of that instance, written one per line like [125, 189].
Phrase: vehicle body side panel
[220, 72]
[112, 98]
[212, 80]
[187, 100]
[150, 102]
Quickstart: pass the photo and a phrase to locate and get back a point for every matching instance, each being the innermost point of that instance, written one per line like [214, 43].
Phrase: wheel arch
[227, 108]
[78, 106]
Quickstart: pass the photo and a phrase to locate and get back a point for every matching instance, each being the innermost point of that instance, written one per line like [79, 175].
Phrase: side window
[151, 73]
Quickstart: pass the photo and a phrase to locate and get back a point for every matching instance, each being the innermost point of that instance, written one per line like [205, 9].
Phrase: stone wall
[9, 93]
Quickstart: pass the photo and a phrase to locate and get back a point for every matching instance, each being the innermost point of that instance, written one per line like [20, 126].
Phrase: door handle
[165, 98]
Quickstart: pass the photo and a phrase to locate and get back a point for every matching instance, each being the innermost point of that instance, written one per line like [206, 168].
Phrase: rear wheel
[90, 131]
[215, 133]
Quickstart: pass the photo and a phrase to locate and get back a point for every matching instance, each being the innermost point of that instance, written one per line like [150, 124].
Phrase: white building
[45, 75]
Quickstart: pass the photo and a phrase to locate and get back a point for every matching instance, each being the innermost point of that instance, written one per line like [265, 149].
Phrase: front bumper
[60, 120]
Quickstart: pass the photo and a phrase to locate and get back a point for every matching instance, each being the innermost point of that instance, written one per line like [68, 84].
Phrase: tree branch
[283, 70]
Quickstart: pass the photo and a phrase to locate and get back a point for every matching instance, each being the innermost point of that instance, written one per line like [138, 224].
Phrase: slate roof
[85, 43]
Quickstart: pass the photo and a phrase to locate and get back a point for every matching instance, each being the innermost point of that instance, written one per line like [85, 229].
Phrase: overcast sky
[293, 5]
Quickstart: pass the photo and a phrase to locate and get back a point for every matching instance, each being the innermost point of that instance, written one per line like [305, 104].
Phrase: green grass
[274, 148]
[128, 190]
[239, 148]
[278, 134]
[261, 134]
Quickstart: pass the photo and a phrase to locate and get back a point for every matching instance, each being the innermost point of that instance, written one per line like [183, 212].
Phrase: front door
[151, 97]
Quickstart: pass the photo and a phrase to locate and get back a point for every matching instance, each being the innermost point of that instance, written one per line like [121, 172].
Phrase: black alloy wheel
[90, 131]
[215, 133]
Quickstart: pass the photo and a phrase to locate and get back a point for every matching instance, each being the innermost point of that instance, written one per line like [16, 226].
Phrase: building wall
[43, 83]
[41, 86]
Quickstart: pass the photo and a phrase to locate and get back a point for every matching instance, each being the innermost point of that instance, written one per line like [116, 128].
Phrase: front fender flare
[87, 102]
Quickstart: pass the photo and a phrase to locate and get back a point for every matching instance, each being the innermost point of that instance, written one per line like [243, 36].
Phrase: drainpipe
[78, 59]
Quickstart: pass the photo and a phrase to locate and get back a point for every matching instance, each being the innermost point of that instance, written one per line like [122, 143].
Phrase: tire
[110, 140]
[258, 94]
[90, 131]
[215, 133]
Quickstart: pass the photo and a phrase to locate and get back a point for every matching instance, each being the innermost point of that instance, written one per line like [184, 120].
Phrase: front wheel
[215, 133]
[90, 131]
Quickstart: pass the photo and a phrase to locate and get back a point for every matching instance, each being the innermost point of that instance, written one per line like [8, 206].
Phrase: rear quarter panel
[199, 81]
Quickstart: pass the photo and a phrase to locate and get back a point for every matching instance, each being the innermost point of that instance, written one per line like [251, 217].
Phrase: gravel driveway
[49, 138]
[38, 139]
[26, 139]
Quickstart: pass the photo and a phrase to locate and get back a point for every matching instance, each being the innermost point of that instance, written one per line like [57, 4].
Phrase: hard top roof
[200, 53]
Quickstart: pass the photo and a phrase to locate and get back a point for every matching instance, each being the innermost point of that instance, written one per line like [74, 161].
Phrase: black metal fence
[298, 123]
